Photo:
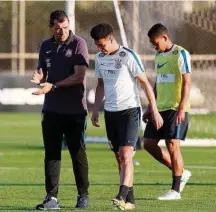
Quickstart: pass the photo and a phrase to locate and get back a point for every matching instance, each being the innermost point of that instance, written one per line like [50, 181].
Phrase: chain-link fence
[191, 24]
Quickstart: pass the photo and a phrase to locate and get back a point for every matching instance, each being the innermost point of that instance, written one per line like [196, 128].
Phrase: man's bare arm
[76, 78]
[157, 119]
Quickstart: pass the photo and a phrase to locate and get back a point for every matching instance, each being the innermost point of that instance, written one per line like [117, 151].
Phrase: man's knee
[126, 153]
[173, 145]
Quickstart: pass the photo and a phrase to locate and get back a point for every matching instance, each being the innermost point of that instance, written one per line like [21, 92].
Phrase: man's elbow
[100, 87]
[80, 79]
[187, 84]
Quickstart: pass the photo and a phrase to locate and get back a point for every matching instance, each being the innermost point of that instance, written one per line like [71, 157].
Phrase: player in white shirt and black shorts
[119, 70]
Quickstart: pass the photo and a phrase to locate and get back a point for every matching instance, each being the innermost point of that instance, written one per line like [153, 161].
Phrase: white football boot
[170, 195]
[184, 179]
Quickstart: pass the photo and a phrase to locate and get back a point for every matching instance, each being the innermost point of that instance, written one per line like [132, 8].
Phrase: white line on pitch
[200, 150]
[201, 167]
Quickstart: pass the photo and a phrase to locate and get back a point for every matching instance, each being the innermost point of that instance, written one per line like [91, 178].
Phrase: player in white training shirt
[118, 70]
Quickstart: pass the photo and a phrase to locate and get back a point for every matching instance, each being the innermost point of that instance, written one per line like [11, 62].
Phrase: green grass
[201, 126]
[22, 177]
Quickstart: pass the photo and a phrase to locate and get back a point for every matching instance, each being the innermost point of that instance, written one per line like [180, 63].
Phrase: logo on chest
[110, 74]
[161, 65]
[162, 78]
[122, 54]
[68, 53]
[118, 63]
[175, 52]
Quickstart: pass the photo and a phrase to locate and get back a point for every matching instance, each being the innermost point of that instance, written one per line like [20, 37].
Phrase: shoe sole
[42, 209]
[129, 206]
[82, 207]
[163, 199]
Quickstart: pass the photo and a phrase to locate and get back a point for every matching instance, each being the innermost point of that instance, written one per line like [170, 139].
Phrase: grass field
[201, 126]
[22, 178]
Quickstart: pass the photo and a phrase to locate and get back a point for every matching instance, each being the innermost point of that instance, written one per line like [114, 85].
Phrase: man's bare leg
[126, 176]
[160, 154]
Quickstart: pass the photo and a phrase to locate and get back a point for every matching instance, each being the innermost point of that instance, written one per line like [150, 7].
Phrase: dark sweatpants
[73, 127]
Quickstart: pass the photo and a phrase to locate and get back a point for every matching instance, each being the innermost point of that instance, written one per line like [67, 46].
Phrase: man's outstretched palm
[46, 87]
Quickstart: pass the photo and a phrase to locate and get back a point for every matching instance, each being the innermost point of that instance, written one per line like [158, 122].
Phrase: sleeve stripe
[185, 61]
[136, 58]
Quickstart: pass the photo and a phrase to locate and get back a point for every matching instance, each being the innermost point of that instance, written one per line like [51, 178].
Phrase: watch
[54, 87]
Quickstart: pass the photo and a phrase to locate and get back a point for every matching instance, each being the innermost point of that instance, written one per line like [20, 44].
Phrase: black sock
[176, 183]
[130, 196]
[123, 192]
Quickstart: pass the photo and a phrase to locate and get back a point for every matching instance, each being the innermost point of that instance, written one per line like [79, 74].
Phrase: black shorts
[122, 127]
[169, 130]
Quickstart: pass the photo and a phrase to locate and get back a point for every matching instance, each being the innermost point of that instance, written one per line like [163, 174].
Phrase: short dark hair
[100, 31]
[58, 15]
[157, 30]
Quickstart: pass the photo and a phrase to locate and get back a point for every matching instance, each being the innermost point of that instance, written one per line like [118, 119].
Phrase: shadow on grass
[31, 147]
[14, 208]
[41, 147]
[21, 147]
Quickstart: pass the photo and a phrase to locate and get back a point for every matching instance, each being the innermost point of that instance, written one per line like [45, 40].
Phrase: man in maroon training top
[63, 60]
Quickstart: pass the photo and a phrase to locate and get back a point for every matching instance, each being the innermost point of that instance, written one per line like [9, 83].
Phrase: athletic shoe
[118, 203]
[170, 195]
[184, 179]
[82, 201]
[130, 203]
[50, 203]
[129, 206]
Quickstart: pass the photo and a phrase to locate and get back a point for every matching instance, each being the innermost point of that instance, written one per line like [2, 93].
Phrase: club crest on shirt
[157, 53]
[68, 53]
[118, 63]
[175, 52]
[122, 54]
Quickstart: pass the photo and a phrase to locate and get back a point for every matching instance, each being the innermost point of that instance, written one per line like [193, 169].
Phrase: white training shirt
[119, 72]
